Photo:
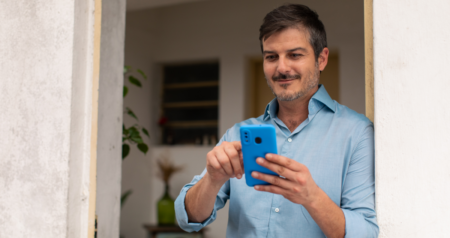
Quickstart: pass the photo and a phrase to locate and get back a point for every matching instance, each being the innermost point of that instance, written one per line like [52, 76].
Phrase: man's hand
[297, 185]
[222, 163]
[225, 162]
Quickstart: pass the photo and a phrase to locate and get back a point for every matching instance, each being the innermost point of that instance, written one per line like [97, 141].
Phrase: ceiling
[133, 5]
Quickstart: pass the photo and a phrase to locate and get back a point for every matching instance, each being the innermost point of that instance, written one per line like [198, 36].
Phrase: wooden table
[154, 230]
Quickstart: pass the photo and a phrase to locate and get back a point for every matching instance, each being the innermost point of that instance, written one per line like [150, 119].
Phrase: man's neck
[293, 113]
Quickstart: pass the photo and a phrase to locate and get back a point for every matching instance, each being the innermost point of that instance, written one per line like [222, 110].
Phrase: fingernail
[269, 156]
[255, 174]
[260, 160]
[257, 187]
[239, 176]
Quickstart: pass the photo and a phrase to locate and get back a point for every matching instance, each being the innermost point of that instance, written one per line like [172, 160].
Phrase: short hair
[292, 15]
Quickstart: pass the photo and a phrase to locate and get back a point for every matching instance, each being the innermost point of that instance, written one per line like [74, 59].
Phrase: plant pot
[166, 209]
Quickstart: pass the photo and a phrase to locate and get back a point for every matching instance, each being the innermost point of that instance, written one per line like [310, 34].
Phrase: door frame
[368, 49]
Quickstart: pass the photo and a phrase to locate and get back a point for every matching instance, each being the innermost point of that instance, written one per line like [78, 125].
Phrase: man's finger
[237, 145]
[241, 158]
[233, 155]
[280, 170]
[216, 165]
[273, 180]
[270, 189]
[224, 161]
[285, 162]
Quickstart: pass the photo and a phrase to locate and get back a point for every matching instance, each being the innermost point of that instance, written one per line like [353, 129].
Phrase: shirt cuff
[357, 226]
[182, 217]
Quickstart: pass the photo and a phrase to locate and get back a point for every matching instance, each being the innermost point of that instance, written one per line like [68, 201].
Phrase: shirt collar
[319, 98]
[322, 97]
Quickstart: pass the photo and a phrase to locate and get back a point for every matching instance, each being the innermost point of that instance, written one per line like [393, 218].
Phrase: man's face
[290, 67]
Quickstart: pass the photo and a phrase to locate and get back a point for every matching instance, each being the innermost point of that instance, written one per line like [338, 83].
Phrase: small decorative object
[213, 140]
[162, 121]
[166, 205]
[169, 139]
[205, 139]
[198, 141]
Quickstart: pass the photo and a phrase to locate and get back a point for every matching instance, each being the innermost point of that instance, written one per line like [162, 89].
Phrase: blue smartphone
[257, 141]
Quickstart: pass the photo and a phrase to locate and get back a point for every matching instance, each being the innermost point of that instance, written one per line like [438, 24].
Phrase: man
[326, 150]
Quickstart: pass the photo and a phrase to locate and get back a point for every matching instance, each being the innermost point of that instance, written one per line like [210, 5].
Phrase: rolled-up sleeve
[358, 195]
[180, 208]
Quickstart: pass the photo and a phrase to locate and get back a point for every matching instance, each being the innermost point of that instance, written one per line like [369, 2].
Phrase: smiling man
[326, 150]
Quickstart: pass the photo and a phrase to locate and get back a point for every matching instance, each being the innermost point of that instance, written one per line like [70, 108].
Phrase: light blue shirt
[337, 146]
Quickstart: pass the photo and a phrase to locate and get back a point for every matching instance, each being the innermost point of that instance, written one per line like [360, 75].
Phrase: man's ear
[323, 58]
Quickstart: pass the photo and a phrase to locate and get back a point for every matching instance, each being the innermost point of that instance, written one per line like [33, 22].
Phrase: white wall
[411, 41]
[136, 171]
[46, 95]
[109, 145]
[227, 31]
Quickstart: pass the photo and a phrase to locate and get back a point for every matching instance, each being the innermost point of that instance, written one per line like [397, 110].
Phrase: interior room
[214, 43]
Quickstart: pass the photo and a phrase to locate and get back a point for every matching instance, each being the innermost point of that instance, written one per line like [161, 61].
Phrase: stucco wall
[411, 41]
[227, 31]
[46, 117]
[109, 144]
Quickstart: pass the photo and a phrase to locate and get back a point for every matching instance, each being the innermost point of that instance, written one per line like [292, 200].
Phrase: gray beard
[311, 83]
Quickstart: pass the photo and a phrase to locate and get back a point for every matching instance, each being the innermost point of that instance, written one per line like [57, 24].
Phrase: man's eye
[270, 57]
[296, 55]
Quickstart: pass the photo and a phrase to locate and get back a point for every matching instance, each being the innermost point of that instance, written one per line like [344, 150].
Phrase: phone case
[257, 141]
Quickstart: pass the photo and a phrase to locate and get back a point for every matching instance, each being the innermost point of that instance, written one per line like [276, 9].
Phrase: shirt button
[277, 209]
[289, 139]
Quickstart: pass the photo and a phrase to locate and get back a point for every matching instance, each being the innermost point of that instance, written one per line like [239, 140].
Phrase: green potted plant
[165, 205]
[131, 136]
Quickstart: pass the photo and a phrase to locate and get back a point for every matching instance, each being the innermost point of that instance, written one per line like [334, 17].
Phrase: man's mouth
[284, 81]
[285, 78]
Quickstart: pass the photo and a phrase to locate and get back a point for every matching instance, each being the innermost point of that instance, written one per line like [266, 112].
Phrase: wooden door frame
[368, 50]
[94, 123]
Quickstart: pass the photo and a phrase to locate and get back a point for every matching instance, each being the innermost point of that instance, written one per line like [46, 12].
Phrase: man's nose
[283, 66]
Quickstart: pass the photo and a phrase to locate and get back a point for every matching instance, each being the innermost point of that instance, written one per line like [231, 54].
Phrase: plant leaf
[134, 135]
[143, 147]
[125, 91]
[126, 69]
[124, 131]
[137, 138]
[142, 73]
[145, 132]
[125, 150]
[135, 81]
[131, 113]
[124, 197]
[132, 131]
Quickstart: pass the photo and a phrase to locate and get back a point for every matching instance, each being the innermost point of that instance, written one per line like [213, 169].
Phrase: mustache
[285, 76]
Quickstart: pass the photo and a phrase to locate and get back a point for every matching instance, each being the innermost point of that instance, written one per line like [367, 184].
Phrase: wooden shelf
[189, 124]
[190, 101]
[192, 85]
[191, 104]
